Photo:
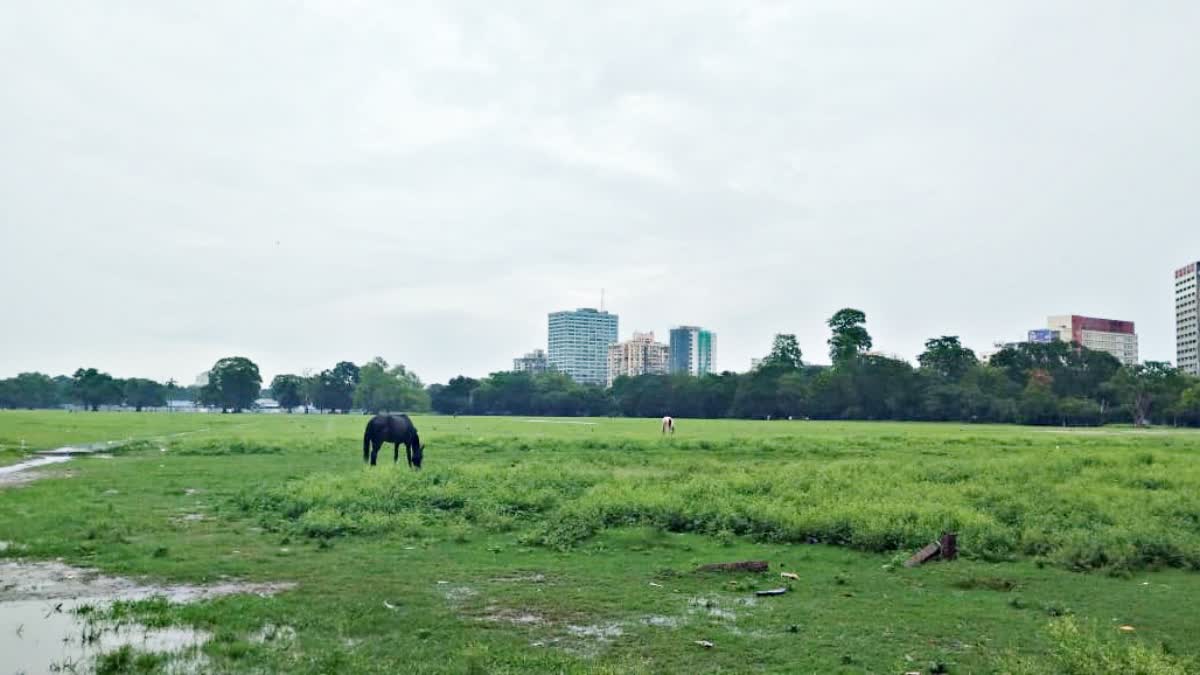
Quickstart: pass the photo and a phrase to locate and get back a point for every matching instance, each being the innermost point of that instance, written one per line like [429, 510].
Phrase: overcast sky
[302, 183]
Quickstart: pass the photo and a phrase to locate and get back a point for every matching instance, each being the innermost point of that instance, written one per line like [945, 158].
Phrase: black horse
[392, 429]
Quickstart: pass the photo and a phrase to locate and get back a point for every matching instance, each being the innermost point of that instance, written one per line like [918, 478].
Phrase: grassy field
[570, 545]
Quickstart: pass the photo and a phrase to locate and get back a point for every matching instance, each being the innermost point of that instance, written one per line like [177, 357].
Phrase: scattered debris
[656, 585]
[771, 591]
[741, 566]
[704, 643]
[789, 575]
[1127, 629]
[390, 606]
[924, 555]
[945, 548]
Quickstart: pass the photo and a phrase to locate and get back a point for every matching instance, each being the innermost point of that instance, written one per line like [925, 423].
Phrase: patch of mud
[47, 612]
[59, 581]
[515, 617]
[275, 635]
[710, 607]
[600, 632]
[535, 578]
[459, 594]
[661, 621]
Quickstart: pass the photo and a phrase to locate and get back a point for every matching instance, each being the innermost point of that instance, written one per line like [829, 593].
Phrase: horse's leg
[408, 452]
[375, 451]
[396, 453]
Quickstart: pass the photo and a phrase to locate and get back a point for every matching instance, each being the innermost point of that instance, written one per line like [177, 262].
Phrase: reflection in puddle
[42, 636]
[42, 629]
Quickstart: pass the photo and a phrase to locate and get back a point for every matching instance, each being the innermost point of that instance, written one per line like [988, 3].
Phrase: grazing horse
[392, 429]
[668, 424]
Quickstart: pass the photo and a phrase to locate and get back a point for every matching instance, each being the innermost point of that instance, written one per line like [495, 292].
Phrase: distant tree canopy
[850, 338]
[93, 388]
[785, 353]
[288, 391]
[233, 384]
[381, 388]
[454, 397]
[142, 393]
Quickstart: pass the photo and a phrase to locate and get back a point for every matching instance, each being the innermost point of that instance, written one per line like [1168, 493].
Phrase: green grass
[582, 539]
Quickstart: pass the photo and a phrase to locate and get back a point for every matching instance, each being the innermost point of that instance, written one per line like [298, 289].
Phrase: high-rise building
[1106, 335]
[1187, 312]
[578, 343]
[534, 363]
[638, 356]
[693, 351]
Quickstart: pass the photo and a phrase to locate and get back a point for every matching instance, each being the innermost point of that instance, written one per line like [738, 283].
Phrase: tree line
[1029, 383]
[234, 384]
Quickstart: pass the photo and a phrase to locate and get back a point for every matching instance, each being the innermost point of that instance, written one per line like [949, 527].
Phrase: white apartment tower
[638, 356]
[1187, 311]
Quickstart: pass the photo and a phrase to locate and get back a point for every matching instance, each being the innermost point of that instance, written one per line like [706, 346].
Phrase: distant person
[668, 424]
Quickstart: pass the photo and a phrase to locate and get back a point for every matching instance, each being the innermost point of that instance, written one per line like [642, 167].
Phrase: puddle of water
[40, 630]
[35, 637]
[18, 474]
[58, 581]
[31, 464]
[602, 633]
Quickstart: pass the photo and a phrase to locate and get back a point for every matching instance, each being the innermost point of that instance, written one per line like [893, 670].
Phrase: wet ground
[22, 472]
[48, 624]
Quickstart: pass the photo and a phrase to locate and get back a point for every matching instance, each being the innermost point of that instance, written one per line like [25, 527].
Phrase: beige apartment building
[640, 355]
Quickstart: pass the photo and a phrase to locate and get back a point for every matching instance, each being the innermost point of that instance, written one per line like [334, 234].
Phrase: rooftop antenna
[601, 299]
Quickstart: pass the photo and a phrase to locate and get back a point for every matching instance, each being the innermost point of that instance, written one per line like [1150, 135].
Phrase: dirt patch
[58, 581]
[710, 607]
[661, 621]
[531, 578]
[281, 636]
[457, 594]
[515, 617]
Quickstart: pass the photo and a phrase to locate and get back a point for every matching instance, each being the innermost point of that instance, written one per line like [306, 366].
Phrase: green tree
[454, 397]
[1148, 388]
[850, 338]
[334, 389]
[93, 388]
[288, 390]
[143, 393]
[383, 388]
[785, 353]
[233, 384]
[32, 390]
[946, 357]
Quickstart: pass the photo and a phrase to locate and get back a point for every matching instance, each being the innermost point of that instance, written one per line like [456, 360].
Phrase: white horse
[668, 424]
